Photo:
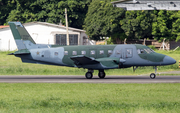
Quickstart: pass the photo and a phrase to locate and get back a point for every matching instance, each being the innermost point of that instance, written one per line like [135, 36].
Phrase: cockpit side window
[142, 51]
[146, 50]
[151, 50]
[138, 51]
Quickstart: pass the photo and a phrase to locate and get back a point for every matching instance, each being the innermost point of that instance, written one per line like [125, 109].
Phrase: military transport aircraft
[91, 57]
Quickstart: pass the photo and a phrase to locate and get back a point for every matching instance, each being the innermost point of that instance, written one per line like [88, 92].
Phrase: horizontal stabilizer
[10, 54]
[21, 52]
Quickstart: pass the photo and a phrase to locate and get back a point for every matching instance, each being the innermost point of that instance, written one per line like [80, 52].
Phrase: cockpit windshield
[145, 51]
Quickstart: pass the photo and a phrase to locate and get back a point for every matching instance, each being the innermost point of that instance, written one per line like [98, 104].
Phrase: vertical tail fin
[21, 36]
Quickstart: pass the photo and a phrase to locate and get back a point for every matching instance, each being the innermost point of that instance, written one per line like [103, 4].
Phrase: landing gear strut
[101, 74]
[89, 74]
[134, 68]
[153, 75]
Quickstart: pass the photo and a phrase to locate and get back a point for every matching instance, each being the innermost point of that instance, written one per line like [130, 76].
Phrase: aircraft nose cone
[168, 60]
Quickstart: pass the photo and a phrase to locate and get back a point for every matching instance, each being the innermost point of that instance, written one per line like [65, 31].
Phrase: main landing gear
[89, 74]
[101, 74]
[153, 75]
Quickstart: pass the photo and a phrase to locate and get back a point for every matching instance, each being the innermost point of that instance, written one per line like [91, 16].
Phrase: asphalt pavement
[82, 79]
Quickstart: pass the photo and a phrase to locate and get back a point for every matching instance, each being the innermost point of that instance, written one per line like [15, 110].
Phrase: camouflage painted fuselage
[107, 56]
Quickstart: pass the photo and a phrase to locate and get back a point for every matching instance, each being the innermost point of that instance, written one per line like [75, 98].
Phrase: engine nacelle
[121, 63]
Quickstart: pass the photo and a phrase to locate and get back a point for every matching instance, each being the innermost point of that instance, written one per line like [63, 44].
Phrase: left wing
[83, 61]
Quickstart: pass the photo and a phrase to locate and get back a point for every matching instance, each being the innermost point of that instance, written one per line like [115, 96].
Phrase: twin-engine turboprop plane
[91, 57]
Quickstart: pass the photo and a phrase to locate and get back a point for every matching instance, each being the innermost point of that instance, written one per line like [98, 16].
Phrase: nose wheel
[152, 76]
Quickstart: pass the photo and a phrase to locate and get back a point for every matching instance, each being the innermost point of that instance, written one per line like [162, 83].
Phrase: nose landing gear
[153, 75]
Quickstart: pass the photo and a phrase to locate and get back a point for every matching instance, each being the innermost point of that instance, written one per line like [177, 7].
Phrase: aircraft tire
[101, 74]
[89, 75]
[152, 76]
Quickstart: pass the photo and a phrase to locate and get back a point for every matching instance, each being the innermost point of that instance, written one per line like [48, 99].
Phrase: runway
[82, 79]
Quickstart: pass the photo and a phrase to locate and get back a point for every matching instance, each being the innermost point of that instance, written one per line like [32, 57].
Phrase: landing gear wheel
[101, 74]
[152, 76]
[89, 75]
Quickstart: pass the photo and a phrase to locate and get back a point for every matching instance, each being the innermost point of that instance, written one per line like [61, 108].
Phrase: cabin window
[101, 52]
[83, 52]
[56, 53]
[74, 53]
[109, 52]
[129, 51]
[92, 52]
[65, 52]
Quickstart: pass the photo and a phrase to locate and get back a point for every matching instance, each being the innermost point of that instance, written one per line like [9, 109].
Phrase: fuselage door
[129, 52]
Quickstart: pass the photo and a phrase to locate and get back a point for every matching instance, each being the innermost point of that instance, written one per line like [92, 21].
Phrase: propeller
[120, 62]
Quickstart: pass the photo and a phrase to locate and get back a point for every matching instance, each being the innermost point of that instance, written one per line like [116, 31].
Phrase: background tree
[51, 11]
[137, 24]
[102, 20]
[5, 8]
[162, 27]
[176, 27]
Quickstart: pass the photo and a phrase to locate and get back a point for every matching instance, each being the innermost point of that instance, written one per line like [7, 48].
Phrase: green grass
[11, 65]
[126, 98]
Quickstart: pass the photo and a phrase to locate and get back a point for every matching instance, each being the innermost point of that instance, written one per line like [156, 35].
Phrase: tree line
[51, 11]
[98, 17]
